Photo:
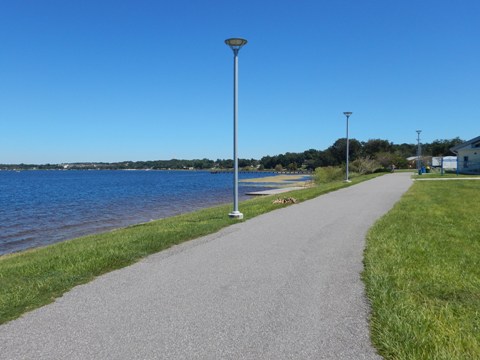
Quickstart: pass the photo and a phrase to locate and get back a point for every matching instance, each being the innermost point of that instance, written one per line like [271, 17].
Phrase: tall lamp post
[235, 44]
[347, 114]
[419, 151]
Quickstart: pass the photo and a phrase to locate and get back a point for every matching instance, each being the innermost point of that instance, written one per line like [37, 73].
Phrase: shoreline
[63, 227]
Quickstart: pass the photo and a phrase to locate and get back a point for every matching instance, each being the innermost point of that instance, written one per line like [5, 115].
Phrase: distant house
[468, 156]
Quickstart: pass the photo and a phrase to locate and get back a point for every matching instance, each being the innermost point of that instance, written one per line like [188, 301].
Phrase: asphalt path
[283, 285]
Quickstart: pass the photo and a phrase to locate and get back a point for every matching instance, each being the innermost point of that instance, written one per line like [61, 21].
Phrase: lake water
[43, 207]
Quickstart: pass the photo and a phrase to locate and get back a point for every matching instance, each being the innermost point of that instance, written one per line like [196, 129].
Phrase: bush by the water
[365, 166]
[328, 174]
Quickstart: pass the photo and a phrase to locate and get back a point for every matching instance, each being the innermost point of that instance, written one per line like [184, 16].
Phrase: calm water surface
[43, 207]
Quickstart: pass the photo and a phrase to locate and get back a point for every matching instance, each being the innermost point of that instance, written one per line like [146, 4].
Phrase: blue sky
[115, 80]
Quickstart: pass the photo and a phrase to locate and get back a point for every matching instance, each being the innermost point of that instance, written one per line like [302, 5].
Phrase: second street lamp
[419, 153]
[235, 44]
[347, 114]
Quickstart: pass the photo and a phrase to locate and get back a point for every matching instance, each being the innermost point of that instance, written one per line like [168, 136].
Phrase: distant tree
[405, 150]
[374, 146]
[246, 163]
[292, 166]
[325, 158]
[200, 164]
[311, 154]
[339, 150]
[310, 164]
[441, 147]
[225, 164]
[268, 162]
[293, 158]
[387, 159]
[254, 163]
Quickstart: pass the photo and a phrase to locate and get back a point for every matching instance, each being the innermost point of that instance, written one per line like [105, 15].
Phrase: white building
[468, 155]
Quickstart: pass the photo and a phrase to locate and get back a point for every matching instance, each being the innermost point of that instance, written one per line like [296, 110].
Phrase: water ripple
[43, 207]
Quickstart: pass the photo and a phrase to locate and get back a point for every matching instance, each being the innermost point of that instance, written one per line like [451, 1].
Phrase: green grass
[446, 175]
[422, 273]
[36, 277]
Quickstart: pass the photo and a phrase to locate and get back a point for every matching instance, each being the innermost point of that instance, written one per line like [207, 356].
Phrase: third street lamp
[347, 114]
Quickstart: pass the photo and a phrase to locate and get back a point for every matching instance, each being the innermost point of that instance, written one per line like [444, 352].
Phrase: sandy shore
[282, 180]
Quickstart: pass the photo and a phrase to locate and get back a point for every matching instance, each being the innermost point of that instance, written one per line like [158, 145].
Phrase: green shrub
[364, 166]
[387, 159]
[328, 174]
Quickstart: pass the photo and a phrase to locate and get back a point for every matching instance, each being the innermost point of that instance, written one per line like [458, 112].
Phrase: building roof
[465, 144]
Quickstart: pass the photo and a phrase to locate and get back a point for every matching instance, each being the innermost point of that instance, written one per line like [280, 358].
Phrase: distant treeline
[385, 152]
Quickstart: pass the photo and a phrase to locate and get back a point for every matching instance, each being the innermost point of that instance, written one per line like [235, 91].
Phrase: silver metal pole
[347, 114]
[235, 44]
[419, 151]
[235, 214]
[348, 149]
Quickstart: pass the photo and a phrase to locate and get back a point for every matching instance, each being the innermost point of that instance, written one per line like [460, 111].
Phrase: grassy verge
[436, 175]
[36, 277]
[422, 274]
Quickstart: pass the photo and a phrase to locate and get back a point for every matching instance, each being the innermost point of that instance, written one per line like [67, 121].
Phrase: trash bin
[423, 169]
[419, 171]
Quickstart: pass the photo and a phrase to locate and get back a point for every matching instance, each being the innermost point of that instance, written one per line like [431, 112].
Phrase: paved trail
[284, 285]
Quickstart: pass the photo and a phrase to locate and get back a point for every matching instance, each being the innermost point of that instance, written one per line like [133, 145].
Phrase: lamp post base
[347, 181]
[236, 215]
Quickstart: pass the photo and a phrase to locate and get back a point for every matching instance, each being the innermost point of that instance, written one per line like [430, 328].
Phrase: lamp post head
[235, 43]
[347, 113]
[419, 131]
